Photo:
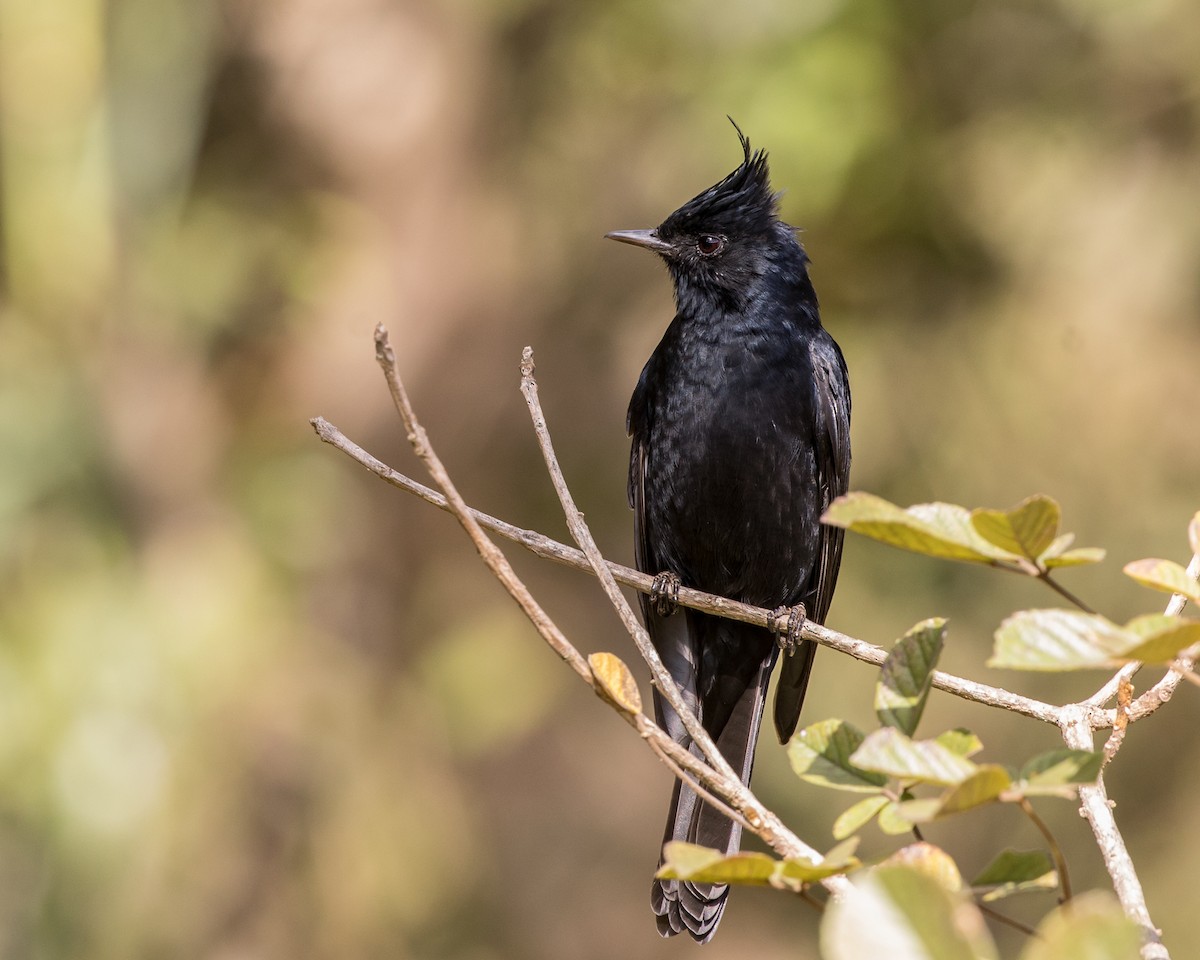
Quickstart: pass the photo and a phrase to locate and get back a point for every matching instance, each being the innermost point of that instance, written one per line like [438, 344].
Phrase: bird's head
[721, 242]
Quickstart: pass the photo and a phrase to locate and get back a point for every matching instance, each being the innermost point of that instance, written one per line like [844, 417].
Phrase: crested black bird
[740, 427]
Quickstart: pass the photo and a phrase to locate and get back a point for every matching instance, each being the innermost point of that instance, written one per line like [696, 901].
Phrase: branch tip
[384, 354]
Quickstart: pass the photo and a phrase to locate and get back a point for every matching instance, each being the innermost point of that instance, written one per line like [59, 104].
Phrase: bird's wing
[832, 415]
[672, 637]
[833, 466]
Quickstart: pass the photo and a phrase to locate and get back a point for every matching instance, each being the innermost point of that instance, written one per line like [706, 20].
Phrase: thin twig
[1063, 592]
[1189, 675]
[550, 549]
[1178, 601]
[1009, 921]
[583, 536]
[490, 553]
[714, 802]
[753, 814]
[1060, 861]
[1162, 691]
[1109, 690]
[806, 895]
[1120, 721]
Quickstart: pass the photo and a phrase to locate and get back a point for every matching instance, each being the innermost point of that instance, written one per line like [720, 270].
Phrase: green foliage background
[253, 703]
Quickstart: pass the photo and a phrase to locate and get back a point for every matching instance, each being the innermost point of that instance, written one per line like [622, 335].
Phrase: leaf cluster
[906, 782]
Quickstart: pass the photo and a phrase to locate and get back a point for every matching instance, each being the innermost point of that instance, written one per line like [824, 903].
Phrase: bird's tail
[681, 905]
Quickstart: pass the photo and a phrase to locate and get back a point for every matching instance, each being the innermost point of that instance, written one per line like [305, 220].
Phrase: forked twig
[731, 796]
[1096, 809]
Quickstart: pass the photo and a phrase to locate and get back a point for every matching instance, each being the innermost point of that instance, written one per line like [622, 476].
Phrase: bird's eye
[709, 245]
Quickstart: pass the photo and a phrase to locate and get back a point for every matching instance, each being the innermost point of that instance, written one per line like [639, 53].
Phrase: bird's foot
[786, 624]
[664, 593]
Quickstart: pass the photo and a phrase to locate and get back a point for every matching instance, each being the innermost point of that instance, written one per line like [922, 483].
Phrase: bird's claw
[786, 624]
[664, 593]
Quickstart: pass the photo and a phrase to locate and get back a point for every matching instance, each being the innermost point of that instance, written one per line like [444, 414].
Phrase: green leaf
[983, 786]
[1069, 640]
[1075, 558]
[1164, 575]
[895, 911]
[1058, 546]
[1057, 554]
[930, 860]
[954, 522]
[890, 752]
[687, 861]
[1060, 767]
[1163, 638]
[796, 871]
[1027, 529]
[934, 529]
[842, 853]
[1090, 927]
[858, 815]
[898, 817]
[910, 812]
[1058, 640]
[1014, 866]
[961, 741]
[1016, 871]
[820, 754]
[904, 680]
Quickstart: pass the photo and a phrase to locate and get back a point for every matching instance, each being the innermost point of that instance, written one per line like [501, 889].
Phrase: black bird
[741, 437]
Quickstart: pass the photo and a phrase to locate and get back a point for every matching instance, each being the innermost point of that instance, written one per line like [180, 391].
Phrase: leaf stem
[1062, 591]
[1009, 921]
[1060, 862]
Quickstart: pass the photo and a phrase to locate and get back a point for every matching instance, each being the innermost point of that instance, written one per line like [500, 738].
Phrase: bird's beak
[640, 238]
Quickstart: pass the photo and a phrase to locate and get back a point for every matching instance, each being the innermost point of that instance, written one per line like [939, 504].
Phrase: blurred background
[255, 703]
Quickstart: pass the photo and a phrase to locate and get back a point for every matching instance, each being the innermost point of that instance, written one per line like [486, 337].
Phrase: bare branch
[550, 549]
[1080, 721]
[1162, 691]
[1097, 809]
[1109, 690]
[746, 807]
[583, 536]
[487, 550]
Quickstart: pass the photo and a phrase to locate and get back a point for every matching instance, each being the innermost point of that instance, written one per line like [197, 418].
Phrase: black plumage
[741, 437]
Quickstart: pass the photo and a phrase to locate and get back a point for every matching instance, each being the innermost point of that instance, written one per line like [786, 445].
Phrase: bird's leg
[664, 593]
[786, 624]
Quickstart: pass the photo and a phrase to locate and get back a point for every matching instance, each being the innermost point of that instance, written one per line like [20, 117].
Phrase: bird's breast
[731, 494]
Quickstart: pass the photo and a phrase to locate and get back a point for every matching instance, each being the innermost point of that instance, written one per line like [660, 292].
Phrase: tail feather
[697, 907]
[791, 687]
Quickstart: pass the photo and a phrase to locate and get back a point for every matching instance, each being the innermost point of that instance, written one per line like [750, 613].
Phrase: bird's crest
[744, 198]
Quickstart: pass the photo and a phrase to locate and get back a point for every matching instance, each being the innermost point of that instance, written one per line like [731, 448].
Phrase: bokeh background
[254, 703]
